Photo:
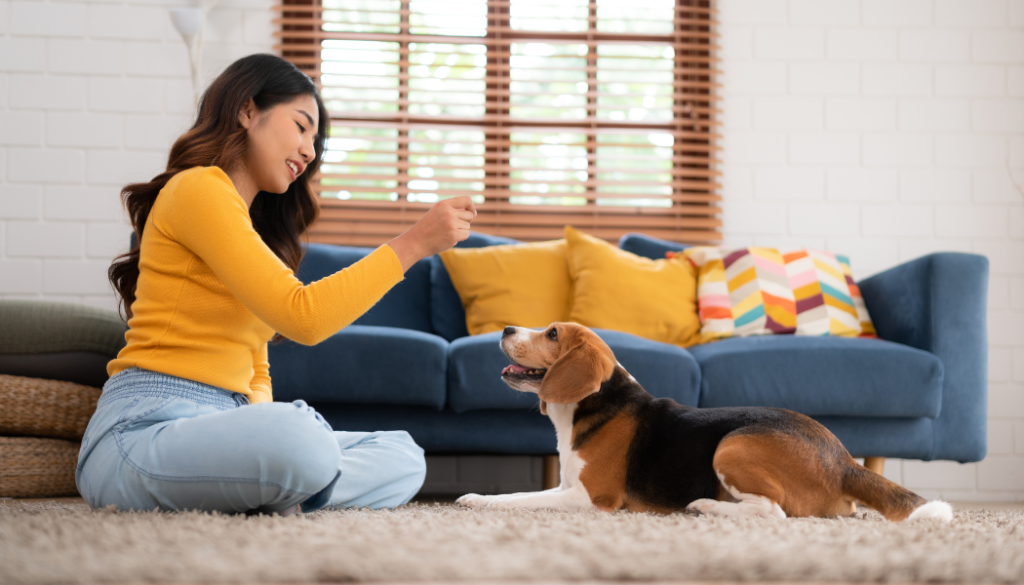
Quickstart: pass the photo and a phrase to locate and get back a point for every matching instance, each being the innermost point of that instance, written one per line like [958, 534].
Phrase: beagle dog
[622, 449]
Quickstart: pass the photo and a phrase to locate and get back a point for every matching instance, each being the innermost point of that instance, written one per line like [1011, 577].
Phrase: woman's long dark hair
[218, 139]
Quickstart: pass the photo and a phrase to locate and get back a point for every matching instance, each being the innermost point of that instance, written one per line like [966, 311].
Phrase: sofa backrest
[648, 247]
[426, 300]
[407, 305]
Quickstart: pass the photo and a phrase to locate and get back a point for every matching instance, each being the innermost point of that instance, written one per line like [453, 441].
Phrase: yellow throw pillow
[615, 289]
[525, 285]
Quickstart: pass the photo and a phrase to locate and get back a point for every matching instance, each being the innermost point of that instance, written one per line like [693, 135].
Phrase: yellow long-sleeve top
[211, 293]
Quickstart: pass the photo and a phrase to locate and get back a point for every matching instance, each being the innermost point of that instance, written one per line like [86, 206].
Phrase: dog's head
[563, 363]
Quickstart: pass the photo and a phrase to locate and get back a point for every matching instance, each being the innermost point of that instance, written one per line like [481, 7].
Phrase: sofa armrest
[937, 303]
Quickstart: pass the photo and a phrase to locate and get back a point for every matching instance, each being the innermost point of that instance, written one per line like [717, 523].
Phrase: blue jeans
[159, 442]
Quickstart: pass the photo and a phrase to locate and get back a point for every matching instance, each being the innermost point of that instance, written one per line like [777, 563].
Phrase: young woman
[186, 420]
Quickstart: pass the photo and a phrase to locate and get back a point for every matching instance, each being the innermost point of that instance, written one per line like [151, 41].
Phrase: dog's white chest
[570, 463]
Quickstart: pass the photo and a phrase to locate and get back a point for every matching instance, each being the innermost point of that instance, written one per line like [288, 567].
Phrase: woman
[186, 420]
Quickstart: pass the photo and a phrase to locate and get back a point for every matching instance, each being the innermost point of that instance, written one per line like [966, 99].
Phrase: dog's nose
[508, 331]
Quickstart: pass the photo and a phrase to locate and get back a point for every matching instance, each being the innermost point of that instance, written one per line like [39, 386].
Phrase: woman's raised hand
[444, 225]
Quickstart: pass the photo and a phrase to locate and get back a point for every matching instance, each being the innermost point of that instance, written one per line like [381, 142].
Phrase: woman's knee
[411, 456]
[296, 438]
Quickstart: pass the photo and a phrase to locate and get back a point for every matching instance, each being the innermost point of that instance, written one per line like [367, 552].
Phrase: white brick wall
[92, 94]
[912, 113]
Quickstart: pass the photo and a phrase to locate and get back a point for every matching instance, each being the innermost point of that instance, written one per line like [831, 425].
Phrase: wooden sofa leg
[551, 472]
[876, 464]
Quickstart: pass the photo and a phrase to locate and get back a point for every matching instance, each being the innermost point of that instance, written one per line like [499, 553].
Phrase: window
[595, 113]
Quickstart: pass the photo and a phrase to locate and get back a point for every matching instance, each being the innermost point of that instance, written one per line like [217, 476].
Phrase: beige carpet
[69, 543]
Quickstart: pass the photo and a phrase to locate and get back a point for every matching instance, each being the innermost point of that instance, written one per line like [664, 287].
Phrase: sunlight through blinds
[601, 114]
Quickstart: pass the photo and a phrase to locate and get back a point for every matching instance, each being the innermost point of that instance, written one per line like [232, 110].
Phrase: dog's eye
[553, 335]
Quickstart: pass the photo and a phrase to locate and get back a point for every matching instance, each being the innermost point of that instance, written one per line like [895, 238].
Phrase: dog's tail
[895, 502]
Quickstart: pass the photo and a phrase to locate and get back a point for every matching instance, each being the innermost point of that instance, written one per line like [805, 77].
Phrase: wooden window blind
[601, 114]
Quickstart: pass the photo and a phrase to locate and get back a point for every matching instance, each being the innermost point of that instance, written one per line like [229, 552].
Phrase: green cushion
[48, 327]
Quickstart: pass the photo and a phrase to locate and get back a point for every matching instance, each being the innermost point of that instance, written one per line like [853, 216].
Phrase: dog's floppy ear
[577, 373]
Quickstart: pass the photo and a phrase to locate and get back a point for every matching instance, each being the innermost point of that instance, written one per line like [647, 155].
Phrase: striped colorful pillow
[867, 328]
[762, 291]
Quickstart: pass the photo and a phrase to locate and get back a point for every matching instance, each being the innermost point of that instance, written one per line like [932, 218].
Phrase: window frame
[694, 214]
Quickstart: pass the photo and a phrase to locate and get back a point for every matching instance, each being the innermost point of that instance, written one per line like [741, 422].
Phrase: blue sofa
[919, 392]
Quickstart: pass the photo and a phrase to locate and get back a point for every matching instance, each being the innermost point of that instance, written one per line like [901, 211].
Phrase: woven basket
[37, 468]
[45, 408]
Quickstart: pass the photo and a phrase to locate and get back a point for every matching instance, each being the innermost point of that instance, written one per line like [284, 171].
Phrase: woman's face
[280, 143]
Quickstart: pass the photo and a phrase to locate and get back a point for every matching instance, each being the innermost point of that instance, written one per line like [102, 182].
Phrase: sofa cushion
[821, 376]
[522, 432]
[475, 364]
[406, 305]
[447, 316]
[526, 285]
[363, 365]
[616, 289]
[81, 367]
[905, 438]
[648, 247]
[59, 341]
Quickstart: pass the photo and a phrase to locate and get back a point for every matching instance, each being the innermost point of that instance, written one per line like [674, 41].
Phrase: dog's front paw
[501, 503]
[474, 501]
[703, 505]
